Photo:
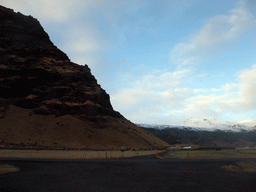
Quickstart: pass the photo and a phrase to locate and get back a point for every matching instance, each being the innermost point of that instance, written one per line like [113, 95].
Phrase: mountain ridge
[205, 139]
[210, 124]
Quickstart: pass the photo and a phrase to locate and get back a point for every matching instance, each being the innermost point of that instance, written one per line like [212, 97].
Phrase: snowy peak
[204, 123]
[210, 124]
[213, 124]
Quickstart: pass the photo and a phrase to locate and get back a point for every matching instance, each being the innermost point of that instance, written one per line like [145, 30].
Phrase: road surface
[133, 174]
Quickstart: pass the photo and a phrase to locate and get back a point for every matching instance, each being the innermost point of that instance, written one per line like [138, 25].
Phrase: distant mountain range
[210, 124]
[209, 133]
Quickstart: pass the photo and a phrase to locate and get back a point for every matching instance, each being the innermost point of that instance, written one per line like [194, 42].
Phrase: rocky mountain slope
[49, 102]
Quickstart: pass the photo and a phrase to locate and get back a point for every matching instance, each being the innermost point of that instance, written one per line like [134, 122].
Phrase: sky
[163, 61]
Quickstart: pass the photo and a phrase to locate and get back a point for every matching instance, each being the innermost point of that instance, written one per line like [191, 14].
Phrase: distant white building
[189, 147]
[123, 148]
[172, 148]
[242, 147]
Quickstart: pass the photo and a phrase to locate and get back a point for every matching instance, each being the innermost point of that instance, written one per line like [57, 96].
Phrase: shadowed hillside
[217, 138]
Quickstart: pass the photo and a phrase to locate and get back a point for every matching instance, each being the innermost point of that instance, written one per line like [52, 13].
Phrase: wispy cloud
[216, 32]
[163, 80]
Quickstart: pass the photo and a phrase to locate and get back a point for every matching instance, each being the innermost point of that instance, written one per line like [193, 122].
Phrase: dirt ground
[74, 154]
[132, 174]
[211, 154]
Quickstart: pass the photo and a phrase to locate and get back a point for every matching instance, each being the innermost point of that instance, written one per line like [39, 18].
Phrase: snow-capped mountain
[210, 124]
[213, 124]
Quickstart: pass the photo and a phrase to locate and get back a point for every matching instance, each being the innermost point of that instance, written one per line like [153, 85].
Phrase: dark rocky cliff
[40, 88]
[37, 75]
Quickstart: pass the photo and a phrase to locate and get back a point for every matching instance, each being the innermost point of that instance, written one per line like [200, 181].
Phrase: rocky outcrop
[49, 101]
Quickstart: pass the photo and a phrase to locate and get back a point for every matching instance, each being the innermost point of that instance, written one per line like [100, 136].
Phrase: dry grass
[8, 169]
[72, 154]
[211, 154]
[243, 166]
[21, 128]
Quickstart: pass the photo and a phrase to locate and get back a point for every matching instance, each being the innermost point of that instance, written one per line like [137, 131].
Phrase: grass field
[211, 154]
[72, 154]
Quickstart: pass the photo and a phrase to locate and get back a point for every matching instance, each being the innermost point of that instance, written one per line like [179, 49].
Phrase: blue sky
[161, 61]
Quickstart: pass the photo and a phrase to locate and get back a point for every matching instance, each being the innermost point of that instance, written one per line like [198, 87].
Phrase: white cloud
[146, 105]
[165, 80]
[237, 98]
[247, 87]
[178, 102]
[230, 87]
[153, 96]
[217, 31]
[212, 90]
[51, 10]
[83, 38]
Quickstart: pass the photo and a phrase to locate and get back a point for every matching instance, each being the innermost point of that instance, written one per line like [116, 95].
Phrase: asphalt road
[134, 174]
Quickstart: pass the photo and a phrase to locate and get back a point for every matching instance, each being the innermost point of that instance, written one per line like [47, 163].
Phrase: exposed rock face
[49, 102]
